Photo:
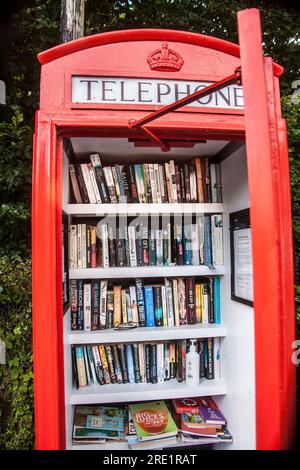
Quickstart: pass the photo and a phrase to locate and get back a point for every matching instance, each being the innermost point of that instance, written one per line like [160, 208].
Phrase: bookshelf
[235, 388]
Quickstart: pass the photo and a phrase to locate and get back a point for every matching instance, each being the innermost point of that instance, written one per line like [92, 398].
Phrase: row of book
[196, 181]
[154, 424]
[142, 362]
[97, 305]
[134, 245]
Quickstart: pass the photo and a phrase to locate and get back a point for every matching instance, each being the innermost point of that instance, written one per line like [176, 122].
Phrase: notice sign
[119, 90]
[241, 257]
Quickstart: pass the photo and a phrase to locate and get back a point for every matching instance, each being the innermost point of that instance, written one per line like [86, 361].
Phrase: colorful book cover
[149, 304]
[130, 364]
[152, 420]
[105, 422]
[217, 300]
[210, 412]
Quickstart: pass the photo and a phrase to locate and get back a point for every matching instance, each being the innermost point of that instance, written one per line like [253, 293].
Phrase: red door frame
[270, 202]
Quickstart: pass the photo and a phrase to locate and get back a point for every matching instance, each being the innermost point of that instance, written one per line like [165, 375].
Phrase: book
[80, 366]
[100, 177]
[210, 412]
[96, 302]
[75, 185]
[152, 419]
[73, 304]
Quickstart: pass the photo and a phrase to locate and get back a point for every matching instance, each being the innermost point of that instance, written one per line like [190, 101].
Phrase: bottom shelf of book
[146, 425]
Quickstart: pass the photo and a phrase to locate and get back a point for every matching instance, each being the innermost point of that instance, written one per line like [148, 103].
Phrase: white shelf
[146, 334]
[145, 271]
[136, 209]
[111, 445]
[119, 393]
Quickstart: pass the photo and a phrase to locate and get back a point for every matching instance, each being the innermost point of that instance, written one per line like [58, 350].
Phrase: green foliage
[16, 377]
[36, 28]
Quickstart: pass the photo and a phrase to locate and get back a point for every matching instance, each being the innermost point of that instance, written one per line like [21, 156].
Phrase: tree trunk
[71, 20]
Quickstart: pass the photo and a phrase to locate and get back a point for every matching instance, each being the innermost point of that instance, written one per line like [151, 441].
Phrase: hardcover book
[152, 419]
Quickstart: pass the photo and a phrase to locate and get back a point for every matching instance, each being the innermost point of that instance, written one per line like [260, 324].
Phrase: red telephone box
[98, 94]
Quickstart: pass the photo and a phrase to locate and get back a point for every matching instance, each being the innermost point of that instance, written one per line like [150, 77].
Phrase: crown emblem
[165, 59]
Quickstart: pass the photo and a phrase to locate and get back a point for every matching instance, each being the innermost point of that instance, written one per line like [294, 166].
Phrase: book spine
[132, 184]
[140, 301]
[179, 245]
[153, 364]
[75, 186]
[147, 182]
[109, 309]
[139, 243]
[100, 178]
[73, 252]
[201, 355]
[105, 246]
[134, 306]
[98, 365]
[124, 306]
[217, 358]
[91, 364]
[117, 365]
[148, 362]
[183, 358]
[177, 179]
[158, 306]
[170, 306]
[88, 247]
[81, 184]
[187, 182]
[120, 247]
[152, 248]
[206, 303]
[198, 294]
[109, 355]
[211, 310]
[117, 306]
[88, 183]
[164, 305]
[172, 356]
[182, 184]
[190, 300]
[210, 359]
[173, 181]
[166, 361]
[136, 363]
[103, 305]
[149, 306]
[163, 183]
[195, 244]
[213, 183]
[95, 305]
[217, 311]
[199, 177]
[132, 246]
[188, 253]
[181, 301]
[139, 178]
[145, 246]
[207, 181]
[93, 247]
[87, 306]
[127, 197]
[193, 183]
[175, 301]
[159, 248]
[87, 367]
[83, 246]
[130, 365]
[111, 246]
[141, 353]
[116, 182]
[179, 361]
[217, 239]
[104, 364]
[122, 197]
[74, 368]
[200, 223]
[94, 183]
[80, 312]
[74, 303]
[153, 183]
[207, 240]
[128, 306]
[122, 359]
[82, 380]
[169, 182]
[110, 184]
[219, 182]
[160, 362]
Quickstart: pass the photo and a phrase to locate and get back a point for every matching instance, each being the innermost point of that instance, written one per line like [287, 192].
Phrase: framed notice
[241, 257]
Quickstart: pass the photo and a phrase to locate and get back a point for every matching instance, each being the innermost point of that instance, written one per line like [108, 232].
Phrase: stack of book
[176, 301]
[142, 362]
[196, 181]
[111, 244]
[200, 420]
[155, 424]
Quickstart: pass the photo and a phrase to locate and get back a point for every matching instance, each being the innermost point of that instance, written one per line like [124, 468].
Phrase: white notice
[243, 274]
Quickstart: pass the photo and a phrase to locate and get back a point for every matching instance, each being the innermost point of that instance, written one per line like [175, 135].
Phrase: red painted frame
[270, 207]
